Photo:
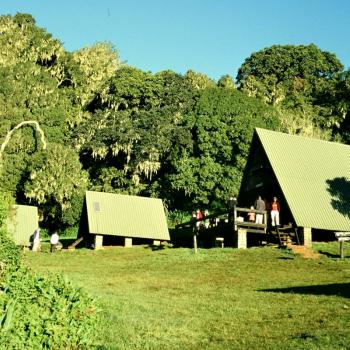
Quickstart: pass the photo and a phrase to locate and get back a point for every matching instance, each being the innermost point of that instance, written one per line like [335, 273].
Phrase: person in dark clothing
[259, 205]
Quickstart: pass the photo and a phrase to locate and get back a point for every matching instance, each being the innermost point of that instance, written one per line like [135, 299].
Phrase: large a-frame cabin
[310, 177]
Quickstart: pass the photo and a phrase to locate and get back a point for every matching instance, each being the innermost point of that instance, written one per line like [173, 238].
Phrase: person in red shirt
[199, 215]
[251, 215]
[275, 212]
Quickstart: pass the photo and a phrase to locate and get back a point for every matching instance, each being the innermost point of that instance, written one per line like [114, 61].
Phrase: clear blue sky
[208, 36]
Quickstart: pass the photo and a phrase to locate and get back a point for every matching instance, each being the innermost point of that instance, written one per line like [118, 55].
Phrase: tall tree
[57, 183]
[224, 120]
[299, 79]
[128, 141]
[342, 104]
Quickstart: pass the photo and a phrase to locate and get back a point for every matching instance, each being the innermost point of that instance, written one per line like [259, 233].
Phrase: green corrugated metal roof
[305, 169]
[22, 223]
[126, 216]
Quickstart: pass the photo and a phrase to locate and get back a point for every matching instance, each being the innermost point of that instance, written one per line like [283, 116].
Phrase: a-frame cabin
[310, 177]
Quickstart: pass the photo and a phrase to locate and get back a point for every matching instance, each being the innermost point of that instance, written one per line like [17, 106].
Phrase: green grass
[260, 298]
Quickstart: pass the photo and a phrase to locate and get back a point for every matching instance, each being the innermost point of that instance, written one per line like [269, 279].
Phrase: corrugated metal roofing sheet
[314, 176]
[126, 216]
[22, 223]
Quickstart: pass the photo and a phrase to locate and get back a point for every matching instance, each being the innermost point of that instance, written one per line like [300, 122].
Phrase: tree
[91, 68]
[127, 143]
[300, 80]
[55, 180]
[226, 82]
[30, 70]
[290, 63]
[342, 104]
[21, 41]
[199, 81]
[222, 131]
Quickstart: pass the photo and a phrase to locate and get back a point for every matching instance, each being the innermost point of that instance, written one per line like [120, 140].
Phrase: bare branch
[9, 134]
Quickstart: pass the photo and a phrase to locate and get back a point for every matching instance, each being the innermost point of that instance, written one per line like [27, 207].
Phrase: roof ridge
[312, 139]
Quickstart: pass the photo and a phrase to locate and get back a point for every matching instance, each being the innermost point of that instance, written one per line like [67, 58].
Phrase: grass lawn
[259, 298]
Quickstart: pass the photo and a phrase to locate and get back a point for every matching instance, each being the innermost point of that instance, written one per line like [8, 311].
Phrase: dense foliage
[44, 313]
[9, 252]
[39, 312]
[299, 80]
[115, 128]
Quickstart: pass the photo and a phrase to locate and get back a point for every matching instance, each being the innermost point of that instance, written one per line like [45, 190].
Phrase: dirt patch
[305, 252]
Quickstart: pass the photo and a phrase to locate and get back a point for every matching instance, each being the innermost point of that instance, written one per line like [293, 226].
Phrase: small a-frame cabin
[22, 223]
[310, 177]
[110, 214]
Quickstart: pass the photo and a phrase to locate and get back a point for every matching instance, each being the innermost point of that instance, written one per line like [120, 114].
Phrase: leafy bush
[39, 312]
[176, 217]
[44, 313]
[71, 232]
[9, 252]
[6, 202]
[10, 257]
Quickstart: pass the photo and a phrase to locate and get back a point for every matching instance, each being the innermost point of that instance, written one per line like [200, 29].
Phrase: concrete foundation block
[98, 242]
[306, 236]
[241, 238]
[128, 242]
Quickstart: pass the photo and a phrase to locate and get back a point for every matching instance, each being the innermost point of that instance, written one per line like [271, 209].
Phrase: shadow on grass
[157, 247]
[328, 254]
[338, 289]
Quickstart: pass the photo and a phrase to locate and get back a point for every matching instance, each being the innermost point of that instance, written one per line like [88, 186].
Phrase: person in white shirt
[54, 241]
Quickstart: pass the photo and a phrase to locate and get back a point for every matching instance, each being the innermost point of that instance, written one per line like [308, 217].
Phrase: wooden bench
[219, 240]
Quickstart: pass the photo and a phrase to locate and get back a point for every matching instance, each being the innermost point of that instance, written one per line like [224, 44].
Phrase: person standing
[251, 215]
[275, 212]
[36, 241]
[206, 219]
[259, 205]
[54, 241]
[199, 218]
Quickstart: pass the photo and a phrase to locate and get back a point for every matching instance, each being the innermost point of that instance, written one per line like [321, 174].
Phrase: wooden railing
[233, 218]
[251, 226]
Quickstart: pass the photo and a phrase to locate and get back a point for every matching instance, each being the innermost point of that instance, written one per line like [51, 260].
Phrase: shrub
[6, 202]
[9, 253]
[39, 312]
[176, 217]
[44, 313]
[10, 257]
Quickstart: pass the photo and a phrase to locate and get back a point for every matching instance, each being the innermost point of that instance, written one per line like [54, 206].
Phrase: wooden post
[195, 242]
[341, 249]
[342, 237]
[234, 218]
[232, 215]
[234, 225]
